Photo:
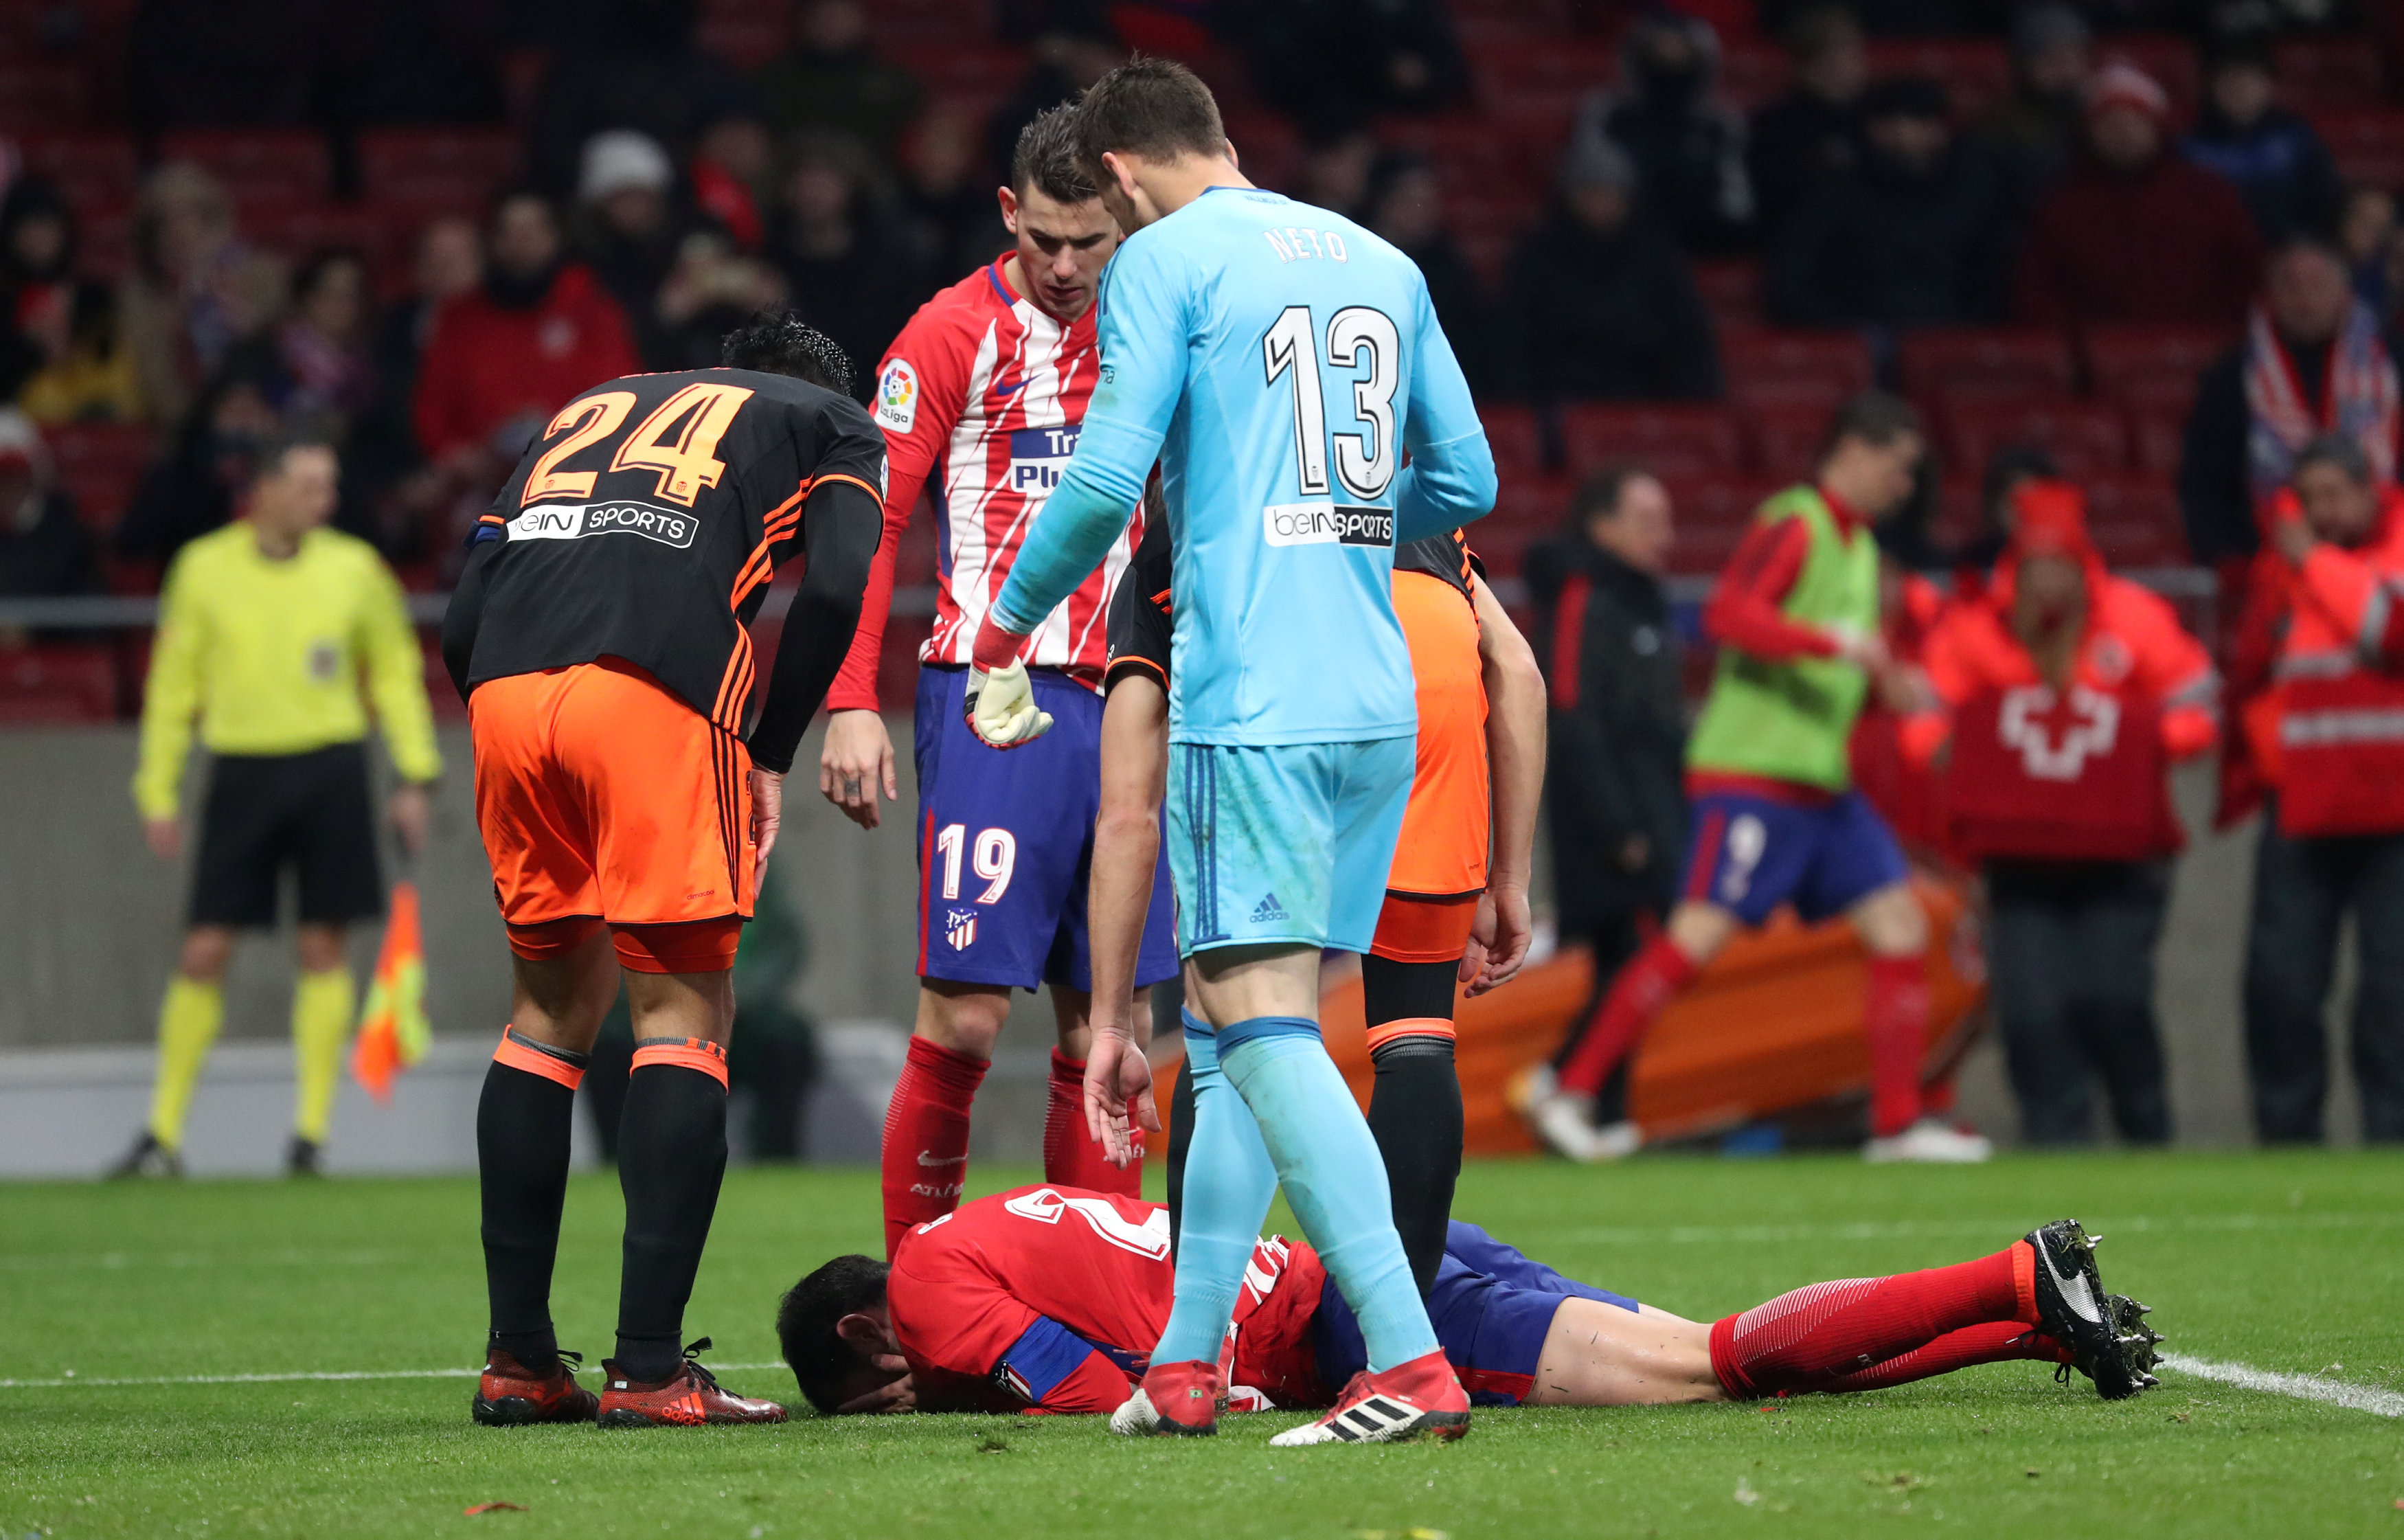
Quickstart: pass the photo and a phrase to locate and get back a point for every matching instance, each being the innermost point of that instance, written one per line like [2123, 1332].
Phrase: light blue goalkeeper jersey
[1277, 361]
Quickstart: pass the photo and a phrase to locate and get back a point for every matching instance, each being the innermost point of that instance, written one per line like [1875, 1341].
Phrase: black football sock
[1415, 1108]
[523, 1122]
[1180, 1140]
[671, 1158]
[1611, 1103]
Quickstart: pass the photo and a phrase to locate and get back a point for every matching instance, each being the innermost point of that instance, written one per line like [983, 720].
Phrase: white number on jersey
[1045, 1207]
[1365, 461]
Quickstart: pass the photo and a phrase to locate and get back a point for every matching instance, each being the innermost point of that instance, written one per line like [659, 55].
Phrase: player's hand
[1905, 690]
[1118, 1094]
[165, 837]
[767, 815]
[857, 761]
[1502, 931]
[411, 811]
[898, 1396]
[2294, 540]
[1001, 709]
[1863, 648]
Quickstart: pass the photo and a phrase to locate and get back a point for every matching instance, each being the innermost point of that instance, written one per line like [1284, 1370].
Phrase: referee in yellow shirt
[280, 636]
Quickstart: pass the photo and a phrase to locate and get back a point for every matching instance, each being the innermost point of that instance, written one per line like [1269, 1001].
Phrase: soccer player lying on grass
[1051, 1299]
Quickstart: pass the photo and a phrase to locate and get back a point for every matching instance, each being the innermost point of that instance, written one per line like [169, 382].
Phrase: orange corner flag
[393, 1029]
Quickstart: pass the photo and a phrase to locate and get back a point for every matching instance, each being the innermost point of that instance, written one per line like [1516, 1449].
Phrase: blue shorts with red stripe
[1491, 1308]
[1006, 844]
[1752, 853]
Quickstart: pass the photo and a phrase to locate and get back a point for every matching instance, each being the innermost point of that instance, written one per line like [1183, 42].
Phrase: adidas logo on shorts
[1269, 911]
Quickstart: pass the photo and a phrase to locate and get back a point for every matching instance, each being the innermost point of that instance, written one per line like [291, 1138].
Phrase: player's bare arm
[1126, 847]
[854, 764]
[1515, 750]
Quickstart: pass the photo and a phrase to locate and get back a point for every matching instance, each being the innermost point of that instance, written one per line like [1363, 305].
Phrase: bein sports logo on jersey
[959, 929]
[1039, 455]
[559, 521]
[1326, 524]
[2093, 729]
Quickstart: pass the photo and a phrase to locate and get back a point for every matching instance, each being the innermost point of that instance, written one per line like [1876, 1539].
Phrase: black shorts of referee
[266, 812]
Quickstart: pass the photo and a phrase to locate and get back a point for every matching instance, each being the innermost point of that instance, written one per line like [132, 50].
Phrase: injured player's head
[837, 1336]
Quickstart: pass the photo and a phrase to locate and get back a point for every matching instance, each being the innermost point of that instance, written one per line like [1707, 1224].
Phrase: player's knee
[966, 1021]
[206, 951]
[1892, 923]
[320, 947]
[1701, 931]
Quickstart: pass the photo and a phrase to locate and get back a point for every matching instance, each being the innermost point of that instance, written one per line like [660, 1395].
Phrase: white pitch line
[2303, 1387]
[291, 1379]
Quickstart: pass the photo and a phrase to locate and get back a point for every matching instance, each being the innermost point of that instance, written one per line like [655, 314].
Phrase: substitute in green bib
[1775, 817]
[283, 639]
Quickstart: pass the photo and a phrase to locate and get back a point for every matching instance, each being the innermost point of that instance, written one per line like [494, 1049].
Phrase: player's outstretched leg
[1812, 1338]
[1231, 1182]
[1415, 1108]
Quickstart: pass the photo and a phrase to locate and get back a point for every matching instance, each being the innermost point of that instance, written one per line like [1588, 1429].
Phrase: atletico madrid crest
[959, 928]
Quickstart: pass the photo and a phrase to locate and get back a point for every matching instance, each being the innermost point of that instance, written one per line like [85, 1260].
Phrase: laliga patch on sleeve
[897, 396]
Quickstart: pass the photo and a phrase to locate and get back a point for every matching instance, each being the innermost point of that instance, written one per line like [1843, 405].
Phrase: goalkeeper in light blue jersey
[1277, 362]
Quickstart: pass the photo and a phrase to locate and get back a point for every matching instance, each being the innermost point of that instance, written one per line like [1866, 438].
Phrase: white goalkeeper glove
[1000, 707]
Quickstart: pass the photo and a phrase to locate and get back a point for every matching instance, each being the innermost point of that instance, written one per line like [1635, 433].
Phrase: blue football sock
[1328, 1163]
[1228, 1185]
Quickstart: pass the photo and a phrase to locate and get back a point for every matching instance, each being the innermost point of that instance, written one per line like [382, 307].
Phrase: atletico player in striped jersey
[982, 396]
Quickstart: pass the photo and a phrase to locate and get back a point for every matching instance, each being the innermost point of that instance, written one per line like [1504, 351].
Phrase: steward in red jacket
[2320, 660]
[2065, 693]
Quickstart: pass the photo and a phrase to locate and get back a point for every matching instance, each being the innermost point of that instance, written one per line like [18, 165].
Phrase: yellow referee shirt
[280, 657]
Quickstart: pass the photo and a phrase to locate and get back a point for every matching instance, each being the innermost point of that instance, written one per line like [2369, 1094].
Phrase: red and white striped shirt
[985, 392]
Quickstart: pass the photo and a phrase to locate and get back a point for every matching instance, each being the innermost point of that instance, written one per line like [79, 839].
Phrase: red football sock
[1070, 1157]
[1817, 1336]
[1897, 1024]
[1642, 991]
[927, 1136]
[1989, 1342]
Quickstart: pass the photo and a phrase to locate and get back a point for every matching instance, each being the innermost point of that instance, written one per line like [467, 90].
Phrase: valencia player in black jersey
[628, 793]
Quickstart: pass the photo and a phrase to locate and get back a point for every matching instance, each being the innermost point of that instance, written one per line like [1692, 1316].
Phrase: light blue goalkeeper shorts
[1285, 842]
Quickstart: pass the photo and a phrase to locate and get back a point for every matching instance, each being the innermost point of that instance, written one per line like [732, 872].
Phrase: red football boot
[510, 1396]
[1421, 1399]
[1179, 1399]
[687, 1398]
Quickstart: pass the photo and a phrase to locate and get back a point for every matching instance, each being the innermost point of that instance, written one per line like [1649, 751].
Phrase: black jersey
[1139, 611]
[646, 522]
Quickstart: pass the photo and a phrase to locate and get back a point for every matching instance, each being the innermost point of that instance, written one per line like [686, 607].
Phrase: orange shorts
[605, 800]
[1411, 929]
[1449, 824]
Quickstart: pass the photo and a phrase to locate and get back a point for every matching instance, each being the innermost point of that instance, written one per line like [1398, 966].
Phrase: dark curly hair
[779, 341]
[805, 1323]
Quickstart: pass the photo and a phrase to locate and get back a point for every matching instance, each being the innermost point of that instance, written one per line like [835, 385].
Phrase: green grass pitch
[2292, 1263]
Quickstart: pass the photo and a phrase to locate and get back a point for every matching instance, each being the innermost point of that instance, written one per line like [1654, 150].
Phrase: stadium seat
[1668, 440]
[1517, 437]
[1786, 435]
[2367, 141]
[1510, 65]
[100, 465]
[1973, 71]
[436, 169]
[42, 93]
[1478, 164]
[2152, 361]
[2025, 359]
[60, 684]
[263, 170]
[1527, 509]
[1820, 367]
[1731, 290]
[2085, 438]
[2329, 72]
[2157, 414]
[97, 171]
[1711, 515]
[745, 34]
[2135, 521]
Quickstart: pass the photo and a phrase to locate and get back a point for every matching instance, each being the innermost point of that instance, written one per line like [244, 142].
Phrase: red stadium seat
[1787, 435]
[2126, 361]
[262, 169]
[745, 34]
[1517, 437]
[2367, 141]
[38, 94]
[98, 173]
[1527, 509]
[57, 684]
[1668, 440]
[100, 464]
[1974, 72]
[436, 169]
[1821, 368]
[2022, 359]
[2085, 438]
[2158, 414]
[2329, 72]
[1731, 290]
[1709, 515]
[1512, 64]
